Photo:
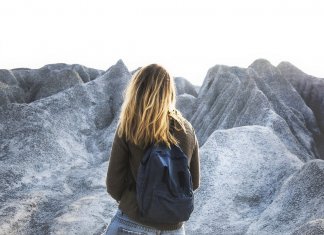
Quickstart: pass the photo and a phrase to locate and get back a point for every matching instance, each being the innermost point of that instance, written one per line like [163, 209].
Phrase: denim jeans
[121, 224]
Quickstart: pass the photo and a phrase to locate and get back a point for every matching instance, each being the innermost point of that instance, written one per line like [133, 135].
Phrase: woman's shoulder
[188, 125]
[186, 138]
[189, 130]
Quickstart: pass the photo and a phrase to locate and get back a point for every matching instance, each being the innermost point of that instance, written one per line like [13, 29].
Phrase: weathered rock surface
[299, 200]
[311, 228]
[183, 86]
[260, 166]
[187, 104]
[53, 158]
[197, 88]
[311, 90]
[25, 85]
[259, 95]
[241, 177]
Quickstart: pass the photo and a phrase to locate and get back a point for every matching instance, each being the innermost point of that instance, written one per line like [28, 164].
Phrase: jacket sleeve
[118, 167]
[195, 165]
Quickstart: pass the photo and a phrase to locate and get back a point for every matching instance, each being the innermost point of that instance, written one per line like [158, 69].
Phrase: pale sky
[186, 37]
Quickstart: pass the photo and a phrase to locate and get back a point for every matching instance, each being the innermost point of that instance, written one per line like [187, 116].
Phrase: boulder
[240, 178]
[298, 203]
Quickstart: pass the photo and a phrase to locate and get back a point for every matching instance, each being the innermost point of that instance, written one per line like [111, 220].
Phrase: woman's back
[127, 151]
[147, 115]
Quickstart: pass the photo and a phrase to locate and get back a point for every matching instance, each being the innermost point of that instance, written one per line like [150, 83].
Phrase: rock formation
[259, 131]
[184, 87]
[23, 85]
[311, 90]
[259, 95]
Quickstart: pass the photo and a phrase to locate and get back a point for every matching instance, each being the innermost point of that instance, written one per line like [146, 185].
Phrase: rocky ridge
[259, 132]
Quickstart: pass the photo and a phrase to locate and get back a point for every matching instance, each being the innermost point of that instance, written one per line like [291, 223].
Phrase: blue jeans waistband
[123, 218]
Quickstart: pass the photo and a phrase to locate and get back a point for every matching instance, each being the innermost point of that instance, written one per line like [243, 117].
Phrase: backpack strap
[147, 154]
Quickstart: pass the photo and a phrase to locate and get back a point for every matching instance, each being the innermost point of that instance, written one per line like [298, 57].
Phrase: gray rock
[241, 176]
[23, 85]
[314, 227]
[197, 88]
[232, 97]
[183, 86]
[311, 90]
[53, 158]
[186, 104]
[298, 202]
[259, 172]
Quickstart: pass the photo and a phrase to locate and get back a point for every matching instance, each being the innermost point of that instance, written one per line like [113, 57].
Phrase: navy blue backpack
[164, 185]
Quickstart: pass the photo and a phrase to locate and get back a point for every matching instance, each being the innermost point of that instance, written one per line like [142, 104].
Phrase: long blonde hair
[149, 105]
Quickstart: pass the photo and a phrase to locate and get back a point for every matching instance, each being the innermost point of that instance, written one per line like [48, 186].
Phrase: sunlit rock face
[259, 95]
[54, 154]
[241, 178]
[261, 166]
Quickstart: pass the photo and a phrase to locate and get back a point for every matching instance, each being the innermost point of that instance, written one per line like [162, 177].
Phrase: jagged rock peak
[121, 63]
[117, 70]
[289, 67]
